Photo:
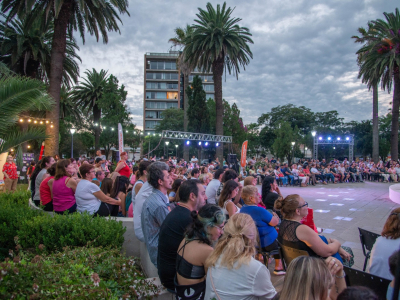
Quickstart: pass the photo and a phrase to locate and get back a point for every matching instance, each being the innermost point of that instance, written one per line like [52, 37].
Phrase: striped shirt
[154, 212]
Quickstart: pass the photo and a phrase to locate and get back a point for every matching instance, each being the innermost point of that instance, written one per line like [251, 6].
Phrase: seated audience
[155, 207]
[296, 235]
[229, 192]
[172, 196]
[195, 173]
[106, 186]
[39, 174]
[212, 187]
[312, 278]
[358, 293]
[118, 192]
[195, 248]
[233, 273]
[270, 192]
[229, 175]
[141, 178]
[265, 222]
[99, 177]
[204, 179]
[64, 187]
[46, 189]
[192, 197]
[89, 197]
[385, 245]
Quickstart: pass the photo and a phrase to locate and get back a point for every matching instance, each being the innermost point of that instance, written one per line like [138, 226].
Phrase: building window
[161, 105]
[153, 114]
[151, 124]
[172, 104]
[172, 95]
[163, 65]
[204, 78]
[167, 76]
[208, 96]
[161, 85]
[208, 87]
[156, 95]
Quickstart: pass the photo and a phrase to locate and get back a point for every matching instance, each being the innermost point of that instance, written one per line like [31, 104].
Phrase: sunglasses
[305, 204]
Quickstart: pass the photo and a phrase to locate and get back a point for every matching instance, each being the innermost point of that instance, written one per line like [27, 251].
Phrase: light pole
[293, 151]
[167, 143]
[176, 152]
[72, 130]
[314, 154]
[305, 151]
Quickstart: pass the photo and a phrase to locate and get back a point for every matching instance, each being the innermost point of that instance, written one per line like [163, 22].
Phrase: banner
[41, 151]
[120, 139]
[243, 155]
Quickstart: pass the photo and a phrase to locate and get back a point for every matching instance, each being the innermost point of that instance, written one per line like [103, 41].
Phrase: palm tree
[182, 35]
[96, 16]
[19, 94]
[218, 43]
[382, 60]
[87, 95]
[68, 107]
[372, 80]
[26, 47]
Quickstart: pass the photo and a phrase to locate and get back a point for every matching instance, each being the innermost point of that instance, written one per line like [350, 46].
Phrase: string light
[47, 122]
[41, 122]
[35, 121]
[29, 120]
[29, 146]
[21, 120]
[51, 126]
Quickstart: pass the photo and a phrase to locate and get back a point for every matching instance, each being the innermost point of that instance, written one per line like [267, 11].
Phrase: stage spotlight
[347, 138]
[329, 138]
[199, 143]
[320, 138]
[206, 144]
[217, 144]
[187, 142]
[338, 138]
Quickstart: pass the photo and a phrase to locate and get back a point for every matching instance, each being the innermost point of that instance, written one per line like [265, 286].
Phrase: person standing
[122, 167]
[155, 207]
[10, 174]
[29, 173]
[192, 197]
[103, 159]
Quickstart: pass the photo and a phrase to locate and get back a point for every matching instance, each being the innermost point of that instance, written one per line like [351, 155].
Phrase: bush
[34, 227]
[80, 273]
[70, 230]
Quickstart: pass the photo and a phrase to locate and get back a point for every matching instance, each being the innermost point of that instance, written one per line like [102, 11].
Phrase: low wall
[134, 247]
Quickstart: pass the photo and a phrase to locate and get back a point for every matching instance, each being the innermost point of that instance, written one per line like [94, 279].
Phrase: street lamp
[72, 130]
[293, 143]
[167, 143]
[314, 152]
[176, 153]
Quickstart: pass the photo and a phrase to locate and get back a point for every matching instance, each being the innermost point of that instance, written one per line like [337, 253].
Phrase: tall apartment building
[163, 87]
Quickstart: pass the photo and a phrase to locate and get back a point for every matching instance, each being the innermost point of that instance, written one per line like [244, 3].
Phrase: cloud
[303, 53]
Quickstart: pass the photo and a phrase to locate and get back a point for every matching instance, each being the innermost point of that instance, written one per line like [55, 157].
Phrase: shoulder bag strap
[212, 284]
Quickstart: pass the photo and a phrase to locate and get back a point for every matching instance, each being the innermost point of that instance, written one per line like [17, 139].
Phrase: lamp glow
[347, 138]
[329, 138]
[313, 133]
[338, 138]
[320, 138]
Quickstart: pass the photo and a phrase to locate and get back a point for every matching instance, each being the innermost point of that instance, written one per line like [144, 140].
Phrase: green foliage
[198, 116]
[34, 227]
[282, 145]
[172, 119]
[78, 273]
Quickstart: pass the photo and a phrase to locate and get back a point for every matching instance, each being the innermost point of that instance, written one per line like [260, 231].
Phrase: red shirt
[125, 171]
[45, 193]
[10, 170]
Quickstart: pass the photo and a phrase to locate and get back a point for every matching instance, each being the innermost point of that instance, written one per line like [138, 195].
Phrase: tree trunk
[218, 70]
[185, 117]
[58, 48]
[375, 124]
[394, 136]
[96, 119]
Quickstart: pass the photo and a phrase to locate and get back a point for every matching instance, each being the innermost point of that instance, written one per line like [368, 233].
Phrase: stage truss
[182, 135]
[348, 140]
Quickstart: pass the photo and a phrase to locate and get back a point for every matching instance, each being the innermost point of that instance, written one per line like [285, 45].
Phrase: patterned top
[154, 212]
[10, 170]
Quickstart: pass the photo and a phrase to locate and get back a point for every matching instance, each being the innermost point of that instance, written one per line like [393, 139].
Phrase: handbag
[280, 175]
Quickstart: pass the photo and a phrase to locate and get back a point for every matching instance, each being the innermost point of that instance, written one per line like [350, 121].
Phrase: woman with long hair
[118, 192]
[385, 245]
[106, 186]
[313, 278]
[46, 163]
[207, 227]
[229, 192]
[270, 192]
[46, 189]
[141, 178]
[299, 236]
[122, 167]
[233, 262]
[64, 187]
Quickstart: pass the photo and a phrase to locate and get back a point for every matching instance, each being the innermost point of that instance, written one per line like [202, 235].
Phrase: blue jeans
[330, 175]
[336, 255]
[291, 179]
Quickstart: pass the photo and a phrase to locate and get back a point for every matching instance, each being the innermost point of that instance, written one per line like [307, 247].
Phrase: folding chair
[367, 239]
[289, 253]
[359, 278]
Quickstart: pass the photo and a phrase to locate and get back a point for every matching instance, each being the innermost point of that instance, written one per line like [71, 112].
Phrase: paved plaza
[341, 208]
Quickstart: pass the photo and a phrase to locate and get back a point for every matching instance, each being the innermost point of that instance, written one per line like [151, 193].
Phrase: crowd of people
[205, 226]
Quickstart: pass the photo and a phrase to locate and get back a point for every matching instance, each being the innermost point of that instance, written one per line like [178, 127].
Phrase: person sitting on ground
[89, 197]
[155, 207]
[313, 278]
[64, 187]
[141, 178]
[296, 235]
[229, 192]
[106, 186]
[118, 192]
[46, 163]
[46, 189]
[195, 248]
[358, 293]
[233, 261]
[212, 187]
[265, 222]
[192, 196]
[270, 192]
[393, 263]
[385, 245]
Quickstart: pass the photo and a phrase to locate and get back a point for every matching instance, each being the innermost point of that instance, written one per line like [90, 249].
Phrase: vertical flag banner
[120, 139]
[243, 155]
[41, 151]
